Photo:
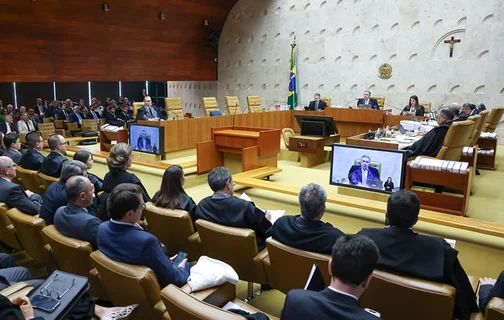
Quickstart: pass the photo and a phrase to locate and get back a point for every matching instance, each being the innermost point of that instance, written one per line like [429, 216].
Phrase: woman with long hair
[86, 157]
[414, 107]
[389, 185]
[171, 194]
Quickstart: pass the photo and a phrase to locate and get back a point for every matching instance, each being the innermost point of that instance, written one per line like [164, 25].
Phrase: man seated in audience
[76, 116]
[63, 113]
[32, 159]
[123, 114]
[73, 220]
[11, 274]
[490, 288]
[430, 144]
[25, 125]
[223, 208]
[13, 195]
[93, 114]
[307, 232]
[404, 252]
[354, 258]
[39, 108]
[55, 196]
[54, 161]
[7, 126]
[12, 145]
[467, 111]
[122, 239]
[35, 118]
[10, 109]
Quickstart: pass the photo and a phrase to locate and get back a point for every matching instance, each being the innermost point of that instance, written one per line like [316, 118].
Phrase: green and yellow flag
[292, 101]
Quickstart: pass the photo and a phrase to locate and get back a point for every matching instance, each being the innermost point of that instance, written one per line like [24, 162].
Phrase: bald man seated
[13, 195]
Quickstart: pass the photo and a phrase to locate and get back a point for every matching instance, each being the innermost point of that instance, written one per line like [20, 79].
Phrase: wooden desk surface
[238, 133]
[312, 138]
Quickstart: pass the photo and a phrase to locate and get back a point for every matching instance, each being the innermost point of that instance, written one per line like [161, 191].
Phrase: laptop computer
[401, 129]
[364, 106]
[375, 184]
[307, 108]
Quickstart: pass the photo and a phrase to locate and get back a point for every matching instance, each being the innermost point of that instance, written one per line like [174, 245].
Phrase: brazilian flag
[292, 101]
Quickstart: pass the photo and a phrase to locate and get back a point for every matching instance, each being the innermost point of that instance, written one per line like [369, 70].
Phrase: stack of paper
[467, 151]
[275, 214]
[439, 165]
[488, 152]
[491, 135]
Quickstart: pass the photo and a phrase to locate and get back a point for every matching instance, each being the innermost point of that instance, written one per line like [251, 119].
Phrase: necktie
[94, 116]
[316, 106]
[79, 118]
[66, 115]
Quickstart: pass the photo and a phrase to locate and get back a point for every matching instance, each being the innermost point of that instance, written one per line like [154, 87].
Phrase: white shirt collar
[343, 293]
[126, 223]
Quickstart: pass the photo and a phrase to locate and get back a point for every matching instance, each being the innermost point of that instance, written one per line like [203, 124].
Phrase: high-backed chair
[289, 268]
[135, 107]
[47, 180]
[210, 104]
[47, 129]
[72, 256]
[380, 100]
[327, 101]
[233, 105]
[174, 228]
[30, 180]
[397, 297]
[495, 309]
[477, 123]
[493, 119]
[7, 232]
[235, 246]
[254, 104]
[484, 117]
[181, 305]
[455, 140]
[286, 134]
[89, 125]
[128, 284]
[174, 107]
[427, 106]
[29, 233]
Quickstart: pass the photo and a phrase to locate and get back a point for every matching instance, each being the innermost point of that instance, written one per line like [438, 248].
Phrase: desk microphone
[234, 114]
[393, 107]
[354, 99]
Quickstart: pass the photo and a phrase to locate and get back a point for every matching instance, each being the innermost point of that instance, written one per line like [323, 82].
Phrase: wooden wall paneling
[6, 93]
[101, 90]
[73, 91]
[28, 92]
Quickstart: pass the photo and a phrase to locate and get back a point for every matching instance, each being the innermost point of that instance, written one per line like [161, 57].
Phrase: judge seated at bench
[317, 104]
[367, 100]
[360, 174]
[147, 112]
[405, 252]
[468, 110]
[307, 232]
[432, 141]
[413, 107]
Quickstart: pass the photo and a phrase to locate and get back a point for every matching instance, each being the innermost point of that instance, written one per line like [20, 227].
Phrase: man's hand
[181, 264]
[25, 306]
[268, 215]
[487, 281]
[29, 193]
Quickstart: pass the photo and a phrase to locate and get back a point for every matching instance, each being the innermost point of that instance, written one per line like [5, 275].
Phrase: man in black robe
[307, 231]
[224, 209]
[432, 141]
[404, 252]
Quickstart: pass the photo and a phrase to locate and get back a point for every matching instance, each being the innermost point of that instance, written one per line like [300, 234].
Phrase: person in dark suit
[414, 107]
[147, 112]
[351, 268]
[223, 208]
[93, 114]
[76, 116]
[124, 114]
[40, 108]
[86, 157]
[111, 117]
[307, 231]
[118, 161]
[63, 113]
[490, 288]
[172, 195]
[368, 100]
[123, 240]
[360, 174]
[388, 185]
[7, 126]
[32, 159]
[13, 195]
[404, 252]
[144, 142]
[54, 161]
[468, 109]
[317, 104]
[12, 145]
[432, 141]
[73, 220]
[55, 195]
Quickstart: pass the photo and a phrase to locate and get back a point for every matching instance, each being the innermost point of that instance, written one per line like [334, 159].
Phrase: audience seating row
[33, 180]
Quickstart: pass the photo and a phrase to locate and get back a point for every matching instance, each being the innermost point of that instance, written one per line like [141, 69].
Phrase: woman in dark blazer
[414, 106]
[171, 194]
[119, 160]
[86, 157]
[389, 185]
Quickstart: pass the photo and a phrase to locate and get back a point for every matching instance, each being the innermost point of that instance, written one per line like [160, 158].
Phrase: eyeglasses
[52, 293]
[12, 166]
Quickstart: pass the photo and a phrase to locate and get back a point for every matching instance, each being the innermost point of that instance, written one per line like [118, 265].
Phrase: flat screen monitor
[316, 125]
[381, 170]
[146, 138]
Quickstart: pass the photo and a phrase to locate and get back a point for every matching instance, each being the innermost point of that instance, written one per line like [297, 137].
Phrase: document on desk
[275, 214]
[231, 305]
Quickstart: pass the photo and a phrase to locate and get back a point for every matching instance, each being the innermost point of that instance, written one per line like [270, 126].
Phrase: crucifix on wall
[452, 42]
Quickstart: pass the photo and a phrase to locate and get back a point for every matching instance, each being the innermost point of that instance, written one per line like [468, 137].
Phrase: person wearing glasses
[12, 145]
[32, 159]
[12, 194]
[147, 112]
[54, 161]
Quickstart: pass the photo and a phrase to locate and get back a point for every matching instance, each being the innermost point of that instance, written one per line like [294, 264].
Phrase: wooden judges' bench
[186, 133]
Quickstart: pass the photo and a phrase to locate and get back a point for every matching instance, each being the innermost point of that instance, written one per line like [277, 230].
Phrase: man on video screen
[361, 174]
[144, 142]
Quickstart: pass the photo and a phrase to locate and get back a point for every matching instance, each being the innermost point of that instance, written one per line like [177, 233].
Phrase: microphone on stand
[393, 107]
[354, 99]
[234, 114]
